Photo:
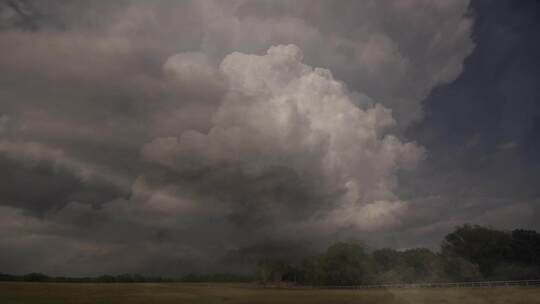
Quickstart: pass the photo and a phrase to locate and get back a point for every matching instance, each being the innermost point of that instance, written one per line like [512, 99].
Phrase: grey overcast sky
[167, 137]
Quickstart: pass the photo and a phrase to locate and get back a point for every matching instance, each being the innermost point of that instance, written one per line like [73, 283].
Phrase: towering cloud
[289, 144]
[394, 51]
[190, 128]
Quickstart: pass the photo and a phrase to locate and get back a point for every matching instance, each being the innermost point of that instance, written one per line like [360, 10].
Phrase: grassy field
[149, 293]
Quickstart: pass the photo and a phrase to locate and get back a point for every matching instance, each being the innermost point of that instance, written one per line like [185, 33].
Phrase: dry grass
[148, 293]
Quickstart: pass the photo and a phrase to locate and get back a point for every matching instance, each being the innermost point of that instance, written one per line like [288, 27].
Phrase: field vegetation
[158, 293]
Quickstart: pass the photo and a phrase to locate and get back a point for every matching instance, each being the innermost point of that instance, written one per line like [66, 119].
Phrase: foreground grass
[149, 293]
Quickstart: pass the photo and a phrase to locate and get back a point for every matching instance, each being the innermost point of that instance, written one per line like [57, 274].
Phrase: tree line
[128, 278]
[470, 253]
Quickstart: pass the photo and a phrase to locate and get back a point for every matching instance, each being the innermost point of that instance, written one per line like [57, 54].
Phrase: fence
[524, 283]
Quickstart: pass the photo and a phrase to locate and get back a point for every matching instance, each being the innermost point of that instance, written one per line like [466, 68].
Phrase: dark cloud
[159, 136]
[39, 187]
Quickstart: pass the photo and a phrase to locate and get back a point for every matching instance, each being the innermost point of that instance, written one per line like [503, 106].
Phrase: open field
[148, 293]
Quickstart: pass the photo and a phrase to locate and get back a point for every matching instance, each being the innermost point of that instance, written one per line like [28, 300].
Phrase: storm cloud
[167, 137]
[295, 141]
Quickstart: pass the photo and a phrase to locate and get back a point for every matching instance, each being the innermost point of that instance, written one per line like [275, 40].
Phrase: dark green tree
[483, 246]
[458, 269]
[424, 265]
[387, 259]
[344, 263]
[272, 271]
[526, 246]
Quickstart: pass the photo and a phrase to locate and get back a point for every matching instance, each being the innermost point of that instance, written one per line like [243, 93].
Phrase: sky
[170, 137]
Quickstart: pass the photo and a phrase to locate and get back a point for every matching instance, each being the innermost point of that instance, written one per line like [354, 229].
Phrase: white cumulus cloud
[282, 113]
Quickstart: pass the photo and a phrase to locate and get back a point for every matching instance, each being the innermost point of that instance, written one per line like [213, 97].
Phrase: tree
[390, 267]
[35, 277]
[313, 272]
[269, 270]
[483, 246]
[344, 263]
[515, 271]
[387, 259]
[425, 265]
[458, 269]
[526, 246]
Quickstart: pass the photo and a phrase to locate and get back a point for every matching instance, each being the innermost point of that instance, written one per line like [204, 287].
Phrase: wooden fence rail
[531, 283]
